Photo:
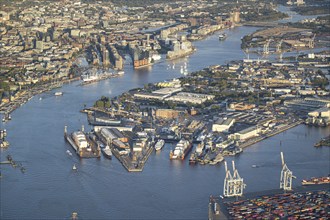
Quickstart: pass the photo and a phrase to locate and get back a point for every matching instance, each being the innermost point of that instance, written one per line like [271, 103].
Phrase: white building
[222, 125]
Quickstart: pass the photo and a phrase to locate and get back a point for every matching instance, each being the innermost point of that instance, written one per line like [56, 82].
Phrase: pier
[130, 164]
[265, 136]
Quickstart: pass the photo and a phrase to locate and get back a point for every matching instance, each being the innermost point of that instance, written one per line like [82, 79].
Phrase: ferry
[316, 181]
[160, 144]
[222, 36]
[181, 150]
[107, 152]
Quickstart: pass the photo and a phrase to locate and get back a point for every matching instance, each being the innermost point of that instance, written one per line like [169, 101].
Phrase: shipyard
[205, 128]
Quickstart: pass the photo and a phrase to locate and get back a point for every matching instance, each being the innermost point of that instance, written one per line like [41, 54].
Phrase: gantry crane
[233, 184]
[286, 176]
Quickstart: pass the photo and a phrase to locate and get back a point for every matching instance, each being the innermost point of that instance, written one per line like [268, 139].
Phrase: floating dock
[94, 150]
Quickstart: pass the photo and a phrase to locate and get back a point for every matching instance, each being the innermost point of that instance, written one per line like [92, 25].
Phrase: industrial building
[223, 124]
[245, 134]
[186, 97]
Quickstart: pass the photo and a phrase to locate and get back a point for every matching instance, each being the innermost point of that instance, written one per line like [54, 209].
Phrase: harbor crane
[266, 47]
[286, 176]
[279, 46]
[311, 42]
[233, 184]
[246, 52]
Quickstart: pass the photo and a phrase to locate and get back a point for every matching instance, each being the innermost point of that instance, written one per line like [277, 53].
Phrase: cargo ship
[316, 181]
[160, 144]
[181, 150]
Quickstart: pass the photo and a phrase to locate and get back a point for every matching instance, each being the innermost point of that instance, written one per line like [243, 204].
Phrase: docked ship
[181, 150]
[107, 152]
[316, 181]
[199, 148]
[89, 78]
[222, 36]
[81, 144]
[159, 144]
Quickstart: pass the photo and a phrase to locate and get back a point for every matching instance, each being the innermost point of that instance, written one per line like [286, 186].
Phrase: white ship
[107, 152]
[58, 93]
[156, 57]
[89, 78]
[160, 144]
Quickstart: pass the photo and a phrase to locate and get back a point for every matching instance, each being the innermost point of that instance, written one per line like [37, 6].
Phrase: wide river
[103, 189]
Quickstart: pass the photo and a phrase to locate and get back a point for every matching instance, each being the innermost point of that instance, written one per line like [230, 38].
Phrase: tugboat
[192, 159]
[74, 167]
[222, 36]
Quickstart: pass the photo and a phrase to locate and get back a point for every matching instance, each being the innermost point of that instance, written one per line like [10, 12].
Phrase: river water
[103, 189]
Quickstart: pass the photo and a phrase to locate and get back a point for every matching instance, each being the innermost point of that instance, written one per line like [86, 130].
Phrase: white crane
[279, 46]
[266, 47]
[286, 176]
[233, 184]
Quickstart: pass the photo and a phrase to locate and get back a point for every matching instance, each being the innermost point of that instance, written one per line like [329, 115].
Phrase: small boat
[222, 36]
[58, 93]
[69, 152]
[255, 166]
[107, 152]
[40, 98]
[160, 144]
[74, 167]
[192, 159]
[121, 73]
[9, 117]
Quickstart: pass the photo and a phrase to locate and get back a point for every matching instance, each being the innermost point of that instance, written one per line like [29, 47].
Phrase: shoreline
[9, 107]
